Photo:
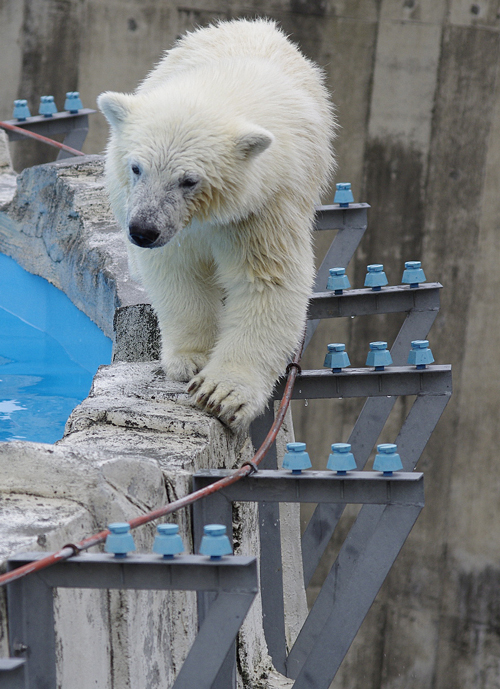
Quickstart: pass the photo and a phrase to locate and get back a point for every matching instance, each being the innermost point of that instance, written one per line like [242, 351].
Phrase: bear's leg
[260, 327]
[187, 302]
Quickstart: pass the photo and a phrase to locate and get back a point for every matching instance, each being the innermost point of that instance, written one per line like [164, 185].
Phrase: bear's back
[238, 39]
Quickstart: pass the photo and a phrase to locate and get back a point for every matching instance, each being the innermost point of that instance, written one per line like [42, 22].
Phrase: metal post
[31, 630]
[271, 567]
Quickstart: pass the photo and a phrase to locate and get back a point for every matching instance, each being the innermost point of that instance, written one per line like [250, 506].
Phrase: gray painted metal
[351, 224]
[214, 639]
[152, 572]
[363, 302]
[423, 304]
[271, 568]
[12, 673]
[233, 579]
[356, 487]
[30, 609]
[365, 382]
[392, 504]
[216, 509]
[75, 126]
[348, 593]
[370, 423]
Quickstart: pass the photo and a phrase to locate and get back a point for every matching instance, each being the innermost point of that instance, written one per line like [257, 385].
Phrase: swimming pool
[49, 353]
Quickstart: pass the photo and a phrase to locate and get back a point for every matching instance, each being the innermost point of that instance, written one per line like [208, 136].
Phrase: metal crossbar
[74, 126]
[31, 617]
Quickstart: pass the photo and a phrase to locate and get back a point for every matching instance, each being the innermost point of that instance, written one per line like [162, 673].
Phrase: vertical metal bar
[31, 630]
[348, 593]
[271, 566]
[214, 509]
[214, 640]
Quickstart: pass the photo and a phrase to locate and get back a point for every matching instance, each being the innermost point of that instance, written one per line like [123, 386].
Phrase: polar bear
[213, 167]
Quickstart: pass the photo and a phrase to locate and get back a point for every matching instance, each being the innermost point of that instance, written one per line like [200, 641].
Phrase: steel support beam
[365, 382]
[348, 593]
[356, 487]
[365, 302]
[271, 567]
[233, 579]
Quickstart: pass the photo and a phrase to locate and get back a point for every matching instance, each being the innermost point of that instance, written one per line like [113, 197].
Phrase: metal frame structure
[391, 505]
[379, 531]
[232, 582]
[74, 125]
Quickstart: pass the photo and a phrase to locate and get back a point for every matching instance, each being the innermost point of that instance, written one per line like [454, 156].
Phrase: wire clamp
[291, 365]
[76, 550]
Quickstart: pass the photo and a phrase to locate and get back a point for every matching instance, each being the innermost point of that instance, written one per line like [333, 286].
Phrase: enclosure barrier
[391, 503]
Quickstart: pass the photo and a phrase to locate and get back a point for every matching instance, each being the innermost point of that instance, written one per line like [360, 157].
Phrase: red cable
[39, 137]
[73, 549]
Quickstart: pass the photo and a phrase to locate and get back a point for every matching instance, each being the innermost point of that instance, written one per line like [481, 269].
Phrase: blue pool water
[49, 353]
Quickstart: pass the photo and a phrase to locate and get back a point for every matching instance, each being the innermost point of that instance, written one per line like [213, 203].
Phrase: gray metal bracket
[12, 673]
[391, 507]
[74, 125]
[233, 579]
[351, 224]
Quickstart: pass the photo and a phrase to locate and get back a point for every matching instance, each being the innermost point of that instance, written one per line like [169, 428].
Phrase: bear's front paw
[183, 367]
[235, 401]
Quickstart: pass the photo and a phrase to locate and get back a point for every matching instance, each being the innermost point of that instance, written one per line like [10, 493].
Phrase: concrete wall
[417, 90]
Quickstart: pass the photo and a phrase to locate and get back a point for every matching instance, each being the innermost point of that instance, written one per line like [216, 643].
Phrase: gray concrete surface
[417, 92]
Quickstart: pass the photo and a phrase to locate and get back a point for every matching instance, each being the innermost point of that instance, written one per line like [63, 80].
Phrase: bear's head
[171, 161]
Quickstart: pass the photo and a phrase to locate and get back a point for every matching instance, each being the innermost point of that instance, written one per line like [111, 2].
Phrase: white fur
[223, 152]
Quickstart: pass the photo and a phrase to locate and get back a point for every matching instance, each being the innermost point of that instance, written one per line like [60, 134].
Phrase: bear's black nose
[142, 234]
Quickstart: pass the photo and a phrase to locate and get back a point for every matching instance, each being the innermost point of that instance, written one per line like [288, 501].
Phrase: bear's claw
[234, 402]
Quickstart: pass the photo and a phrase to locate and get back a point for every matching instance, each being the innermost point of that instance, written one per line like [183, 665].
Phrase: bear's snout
[143, 234]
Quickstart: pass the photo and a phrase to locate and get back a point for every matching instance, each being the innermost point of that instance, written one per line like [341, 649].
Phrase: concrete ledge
[131, 446]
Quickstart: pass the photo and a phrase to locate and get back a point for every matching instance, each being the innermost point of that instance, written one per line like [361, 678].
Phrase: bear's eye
[136, 170]
[189, 182]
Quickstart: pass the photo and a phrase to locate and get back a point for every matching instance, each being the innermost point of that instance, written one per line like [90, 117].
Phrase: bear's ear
[253, 142]
[115, 107]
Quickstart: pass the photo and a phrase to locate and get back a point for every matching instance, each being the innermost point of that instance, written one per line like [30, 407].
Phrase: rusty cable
[247, 468]
[39, 137]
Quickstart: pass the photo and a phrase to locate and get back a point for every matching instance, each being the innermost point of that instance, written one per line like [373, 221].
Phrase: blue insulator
[296, 458]
[47, 106]
[336, 358]
[21, 110]
[343, 195]
[341, 460]
[387, 459]
[120, 541]
[378, 356]
[420, 354]
[375, 277]
[215, 542]
[73, 102]
[167, 541]
[413, 274]
[338, 280]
